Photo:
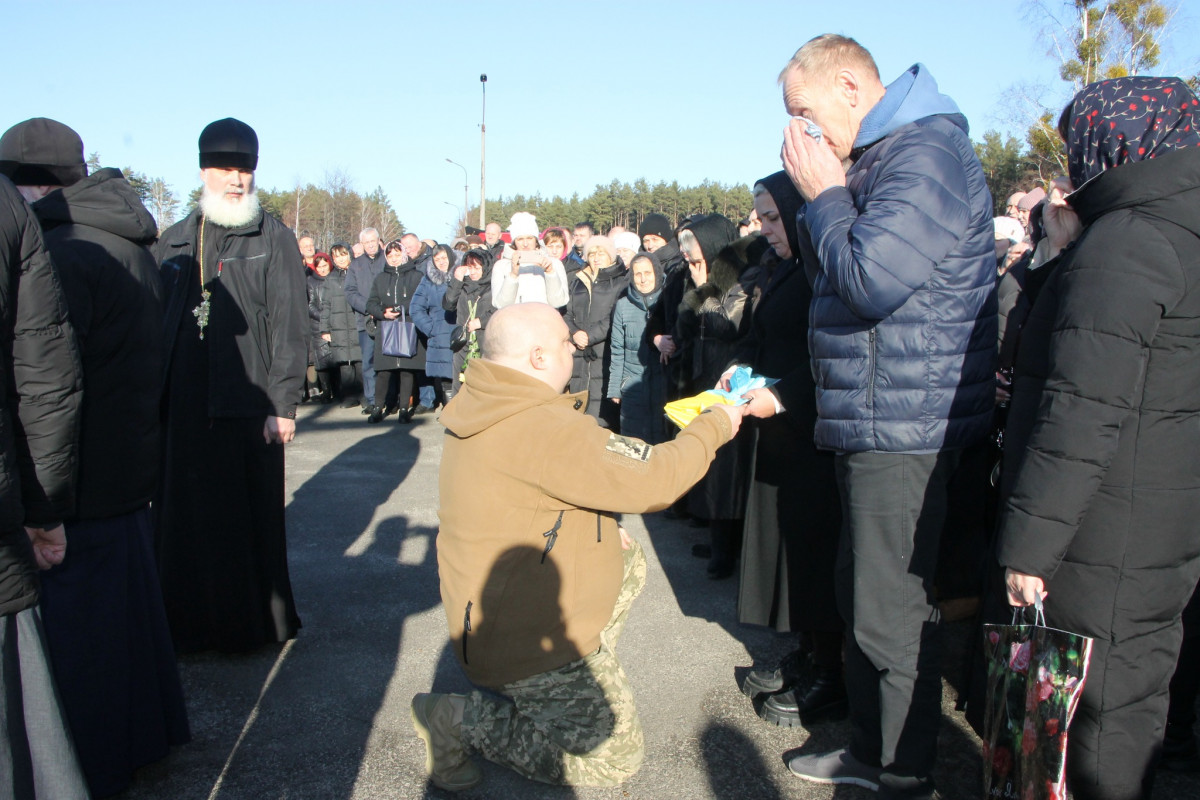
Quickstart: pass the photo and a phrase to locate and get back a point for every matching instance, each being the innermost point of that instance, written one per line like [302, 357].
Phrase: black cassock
[220, 534]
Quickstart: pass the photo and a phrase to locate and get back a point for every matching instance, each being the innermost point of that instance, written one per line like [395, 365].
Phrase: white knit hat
[627, 241]
[523, 224]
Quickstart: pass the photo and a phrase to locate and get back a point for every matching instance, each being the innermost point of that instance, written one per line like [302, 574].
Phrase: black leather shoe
[421, 409]
[376, 415]
[405, 416]
[824, 699]
[792, 671]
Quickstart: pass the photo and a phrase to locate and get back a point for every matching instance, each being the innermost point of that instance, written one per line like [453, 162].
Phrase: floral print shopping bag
[1035, 677]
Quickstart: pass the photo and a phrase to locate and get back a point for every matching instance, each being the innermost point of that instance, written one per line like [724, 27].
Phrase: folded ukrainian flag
[743, 379]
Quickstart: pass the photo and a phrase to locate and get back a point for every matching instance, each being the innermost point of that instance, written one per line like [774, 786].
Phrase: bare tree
[1092, 40]
[162, 203]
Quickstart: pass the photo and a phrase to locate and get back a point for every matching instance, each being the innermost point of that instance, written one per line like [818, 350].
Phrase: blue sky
[578, 93]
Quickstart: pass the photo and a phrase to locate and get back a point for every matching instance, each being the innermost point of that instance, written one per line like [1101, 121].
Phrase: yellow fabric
[681, 412]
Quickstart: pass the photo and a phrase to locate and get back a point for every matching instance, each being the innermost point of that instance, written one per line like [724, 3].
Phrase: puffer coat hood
[97, 231]
[104, 200]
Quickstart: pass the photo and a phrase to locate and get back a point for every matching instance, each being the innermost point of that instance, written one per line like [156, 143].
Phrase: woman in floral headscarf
[1102, 450]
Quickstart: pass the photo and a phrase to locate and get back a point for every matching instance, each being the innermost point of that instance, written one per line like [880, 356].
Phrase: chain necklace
[201, 311]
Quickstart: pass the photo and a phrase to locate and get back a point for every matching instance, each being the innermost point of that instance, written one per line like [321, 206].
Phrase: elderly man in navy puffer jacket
[898, 246]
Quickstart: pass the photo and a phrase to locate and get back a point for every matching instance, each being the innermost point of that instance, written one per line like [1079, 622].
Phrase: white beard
[219, 211]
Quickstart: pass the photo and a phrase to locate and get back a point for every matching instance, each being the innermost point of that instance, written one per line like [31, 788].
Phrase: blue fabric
[903, 320]
[437, 324]
[911, 97]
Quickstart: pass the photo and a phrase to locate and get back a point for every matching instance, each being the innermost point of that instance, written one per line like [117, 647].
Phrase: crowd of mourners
[972, 412]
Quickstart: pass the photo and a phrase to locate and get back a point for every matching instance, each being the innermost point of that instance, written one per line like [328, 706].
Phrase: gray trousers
[893, 509]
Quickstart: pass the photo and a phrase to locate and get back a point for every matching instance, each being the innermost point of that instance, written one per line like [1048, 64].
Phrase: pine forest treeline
[624, 204]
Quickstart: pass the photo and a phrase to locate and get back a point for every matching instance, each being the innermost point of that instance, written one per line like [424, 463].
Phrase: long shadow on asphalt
[702, 598]
[733, 765]
[294, 720]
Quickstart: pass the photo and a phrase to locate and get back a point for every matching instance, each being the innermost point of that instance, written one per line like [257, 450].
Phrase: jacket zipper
[597, 527]
[551, 537]
[871, 369]
[466, 630]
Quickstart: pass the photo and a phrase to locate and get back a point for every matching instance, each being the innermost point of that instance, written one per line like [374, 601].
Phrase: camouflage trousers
[575, 725]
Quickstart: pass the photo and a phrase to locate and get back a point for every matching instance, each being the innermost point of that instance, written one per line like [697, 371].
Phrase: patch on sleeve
[629, 447]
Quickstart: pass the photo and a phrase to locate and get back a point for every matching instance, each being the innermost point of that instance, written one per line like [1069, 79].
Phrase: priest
[234, 333]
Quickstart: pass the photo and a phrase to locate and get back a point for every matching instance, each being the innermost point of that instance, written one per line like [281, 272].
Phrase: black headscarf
[713, 233]
[473, 288]
[1114, 122]
[789, 202]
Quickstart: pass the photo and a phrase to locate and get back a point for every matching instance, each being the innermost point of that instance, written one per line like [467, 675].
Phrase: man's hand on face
[811, 164]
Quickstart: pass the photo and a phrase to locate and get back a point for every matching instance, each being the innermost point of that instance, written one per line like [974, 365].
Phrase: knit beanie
[523, 224]
[656, 225]
[601, 243]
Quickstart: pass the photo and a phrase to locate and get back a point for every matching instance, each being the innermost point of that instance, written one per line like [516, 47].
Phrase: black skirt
[793, 521]
[111, 648]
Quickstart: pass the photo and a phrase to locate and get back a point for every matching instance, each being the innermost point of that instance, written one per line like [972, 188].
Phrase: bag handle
[1039, 614]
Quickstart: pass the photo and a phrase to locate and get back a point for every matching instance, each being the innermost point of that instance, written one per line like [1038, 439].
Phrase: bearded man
[235, 328]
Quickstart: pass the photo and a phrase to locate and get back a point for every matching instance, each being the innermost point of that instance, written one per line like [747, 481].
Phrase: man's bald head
[533, 339]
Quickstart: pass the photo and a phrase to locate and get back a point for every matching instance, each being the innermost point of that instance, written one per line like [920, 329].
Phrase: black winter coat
[460, 294]
[709, 318]
[98, 233]
[395, 288]
[793, 514]
[709, 327]
[40, 393]
[590, 309]
[320, 352]
[338, 319]
[1102, 472]
[258, 324]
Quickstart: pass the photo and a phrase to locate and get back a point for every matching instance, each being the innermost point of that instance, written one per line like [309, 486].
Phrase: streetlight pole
[483, 155]
[464, 213]
[466, 208]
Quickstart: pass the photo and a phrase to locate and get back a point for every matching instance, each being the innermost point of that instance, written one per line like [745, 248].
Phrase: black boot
[376, 414]
[1179, 751]
[823, 699]
[723, 538]
[792, 671]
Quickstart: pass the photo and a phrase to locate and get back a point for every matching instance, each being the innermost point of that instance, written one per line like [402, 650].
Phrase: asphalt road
[327, 715]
